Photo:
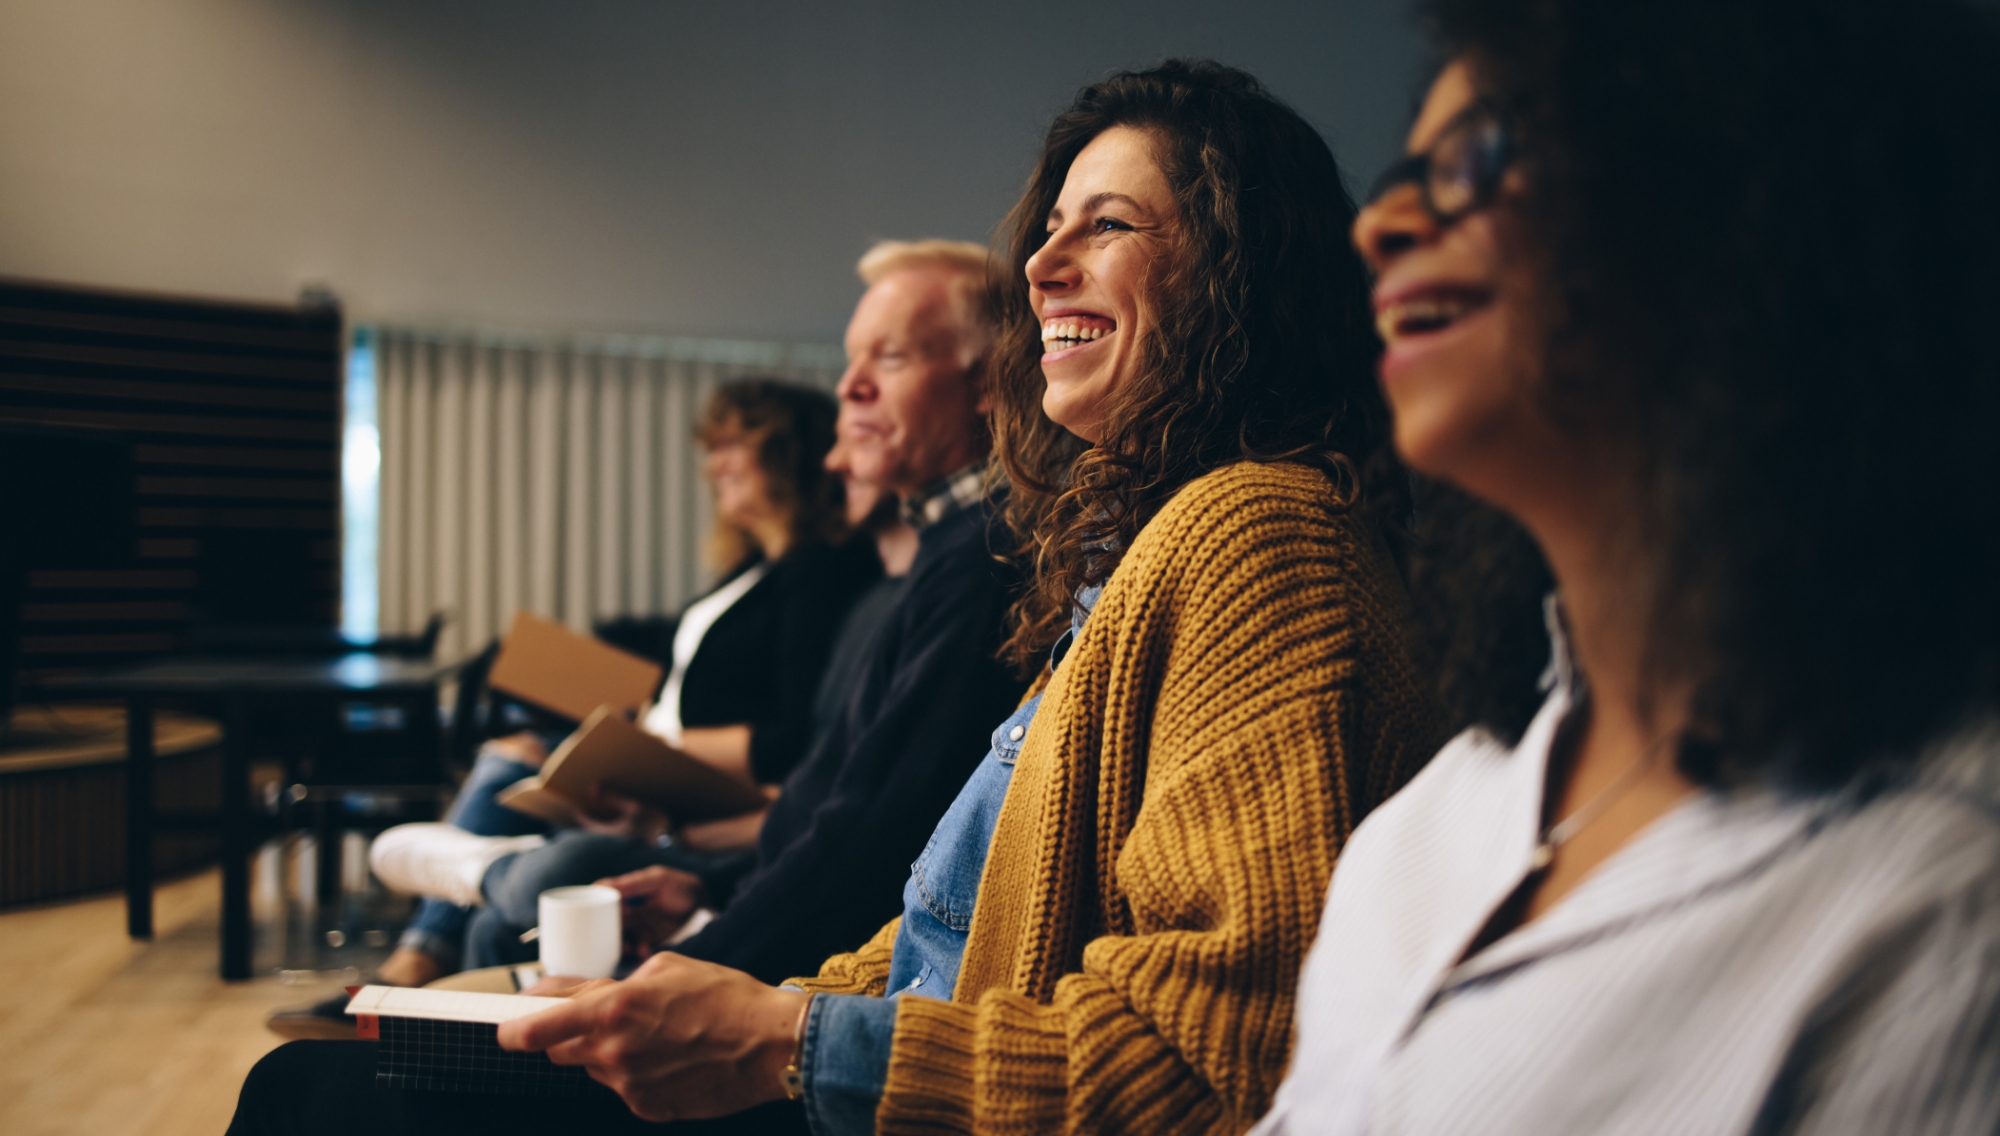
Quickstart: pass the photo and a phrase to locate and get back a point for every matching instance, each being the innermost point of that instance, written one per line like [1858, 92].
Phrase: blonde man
[965, 267]
[914, 400]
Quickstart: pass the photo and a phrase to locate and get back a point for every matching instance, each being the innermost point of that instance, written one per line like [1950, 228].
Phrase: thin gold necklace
[1555, 835]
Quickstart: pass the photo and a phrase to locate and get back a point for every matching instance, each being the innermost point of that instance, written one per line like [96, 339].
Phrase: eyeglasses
[1461, 171]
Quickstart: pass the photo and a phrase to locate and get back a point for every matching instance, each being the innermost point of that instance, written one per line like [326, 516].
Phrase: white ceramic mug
[579, 932]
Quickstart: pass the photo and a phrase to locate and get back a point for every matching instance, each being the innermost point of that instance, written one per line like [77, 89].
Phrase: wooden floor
[102, 1035]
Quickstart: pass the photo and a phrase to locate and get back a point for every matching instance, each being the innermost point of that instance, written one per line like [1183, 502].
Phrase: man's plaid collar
[945, 496]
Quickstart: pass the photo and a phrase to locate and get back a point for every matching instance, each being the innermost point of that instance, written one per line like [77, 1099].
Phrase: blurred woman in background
[744, 660]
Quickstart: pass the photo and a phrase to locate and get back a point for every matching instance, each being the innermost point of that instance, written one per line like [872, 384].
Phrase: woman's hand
[680, 1039]
[611, 813]
[658, 901]
[725, 747]
[731, 835]
[564, 986]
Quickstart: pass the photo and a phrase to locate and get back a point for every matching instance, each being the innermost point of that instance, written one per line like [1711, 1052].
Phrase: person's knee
[491, 941]
[497, 768]
[477, 808]
[283, 1071]
[289, 1087]
[514, 883]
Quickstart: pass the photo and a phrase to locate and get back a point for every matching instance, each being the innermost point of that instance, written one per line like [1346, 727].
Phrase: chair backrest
[472, 709]
[422, 645]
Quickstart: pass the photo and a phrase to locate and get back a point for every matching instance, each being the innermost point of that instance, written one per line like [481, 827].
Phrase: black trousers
[327, 1088]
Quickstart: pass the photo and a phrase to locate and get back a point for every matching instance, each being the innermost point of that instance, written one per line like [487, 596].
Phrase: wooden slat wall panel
[233, 411]
[551, 474]
[62, 831]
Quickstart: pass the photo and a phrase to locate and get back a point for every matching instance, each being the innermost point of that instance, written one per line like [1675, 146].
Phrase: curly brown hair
[1265, 350]
[791, 428]
[1769, 232]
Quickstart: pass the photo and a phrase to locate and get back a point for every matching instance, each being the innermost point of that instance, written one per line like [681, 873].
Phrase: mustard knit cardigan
[1241, 696]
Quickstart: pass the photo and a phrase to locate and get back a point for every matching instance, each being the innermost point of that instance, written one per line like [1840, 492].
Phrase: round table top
[355, 673]
[62, 737]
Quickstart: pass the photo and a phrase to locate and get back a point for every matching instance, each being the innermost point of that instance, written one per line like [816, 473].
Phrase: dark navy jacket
[837, 846]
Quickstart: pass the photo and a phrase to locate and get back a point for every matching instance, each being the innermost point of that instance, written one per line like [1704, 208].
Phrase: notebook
[610, 751]
[545, 663]
[447, 1041]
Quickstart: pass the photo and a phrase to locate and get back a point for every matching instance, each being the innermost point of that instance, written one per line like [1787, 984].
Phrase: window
[360, 494]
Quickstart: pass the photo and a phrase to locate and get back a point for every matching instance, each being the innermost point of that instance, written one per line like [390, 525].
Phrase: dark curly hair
[1477, 584]
[1265, 351]
[791, 427]
[1768, 235]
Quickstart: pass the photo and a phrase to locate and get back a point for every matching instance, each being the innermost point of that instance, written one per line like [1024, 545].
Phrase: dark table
[233, 684]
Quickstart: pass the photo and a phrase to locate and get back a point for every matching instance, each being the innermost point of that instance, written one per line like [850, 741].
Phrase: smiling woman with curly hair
[1105, 929]
[1256, 342]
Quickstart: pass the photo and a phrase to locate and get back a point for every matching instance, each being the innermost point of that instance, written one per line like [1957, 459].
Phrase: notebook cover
[448, 1041]
[547, 664]
[613, 752]
[528, 796]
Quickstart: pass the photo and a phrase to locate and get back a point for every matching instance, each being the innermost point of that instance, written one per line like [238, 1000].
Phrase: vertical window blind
[557, 474]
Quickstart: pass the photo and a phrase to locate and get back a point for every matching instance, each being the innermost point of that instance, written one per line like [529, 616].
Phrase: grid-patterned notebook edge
[465, 1057]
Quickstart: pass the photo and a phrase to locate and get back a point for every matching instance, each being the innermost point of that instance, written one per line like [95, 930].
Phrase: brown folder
[546, 663]
[608, 750]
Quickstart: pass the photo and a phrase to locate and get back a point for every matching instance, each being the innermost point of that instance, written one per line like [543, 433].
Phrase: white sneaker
[441, 860]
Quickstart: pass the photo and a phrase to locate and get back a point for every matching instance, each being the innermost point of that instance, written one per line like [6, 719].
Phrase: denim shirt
[844, 1058]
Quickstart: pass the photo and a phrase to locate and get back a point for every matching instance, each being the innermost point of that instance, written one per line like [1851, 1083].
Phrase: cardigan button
[1017, 733]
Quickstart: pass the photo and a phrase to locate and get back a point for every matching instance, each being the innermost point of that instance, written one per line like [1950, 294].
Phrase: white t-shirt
[663, 720]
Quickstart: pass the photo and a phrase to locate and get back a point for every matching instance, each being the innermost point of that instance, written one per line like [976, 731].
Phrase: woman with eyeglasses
[1701, 293]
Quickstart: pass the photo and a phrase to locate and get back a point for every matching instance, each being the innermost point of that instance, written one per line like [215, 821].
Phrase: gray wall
[707, 168]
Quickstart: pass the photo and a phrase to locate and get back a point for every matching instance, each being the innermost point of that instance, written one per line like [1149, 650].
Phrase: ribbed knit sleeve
[1241, 695]
[865, 971]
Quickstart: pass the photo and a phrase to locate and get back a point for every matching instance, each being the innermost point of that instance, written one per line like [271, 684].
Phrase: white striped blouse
[1750, 963]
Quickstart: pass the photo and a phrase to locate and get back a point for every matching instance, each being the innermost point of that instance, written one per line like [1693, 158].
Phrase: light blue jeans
[438, 928]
